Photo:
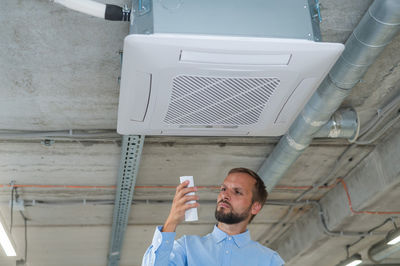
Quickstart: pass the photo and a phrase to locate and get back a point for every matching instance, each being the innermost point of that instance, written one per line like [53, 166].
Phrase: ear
[256, 207]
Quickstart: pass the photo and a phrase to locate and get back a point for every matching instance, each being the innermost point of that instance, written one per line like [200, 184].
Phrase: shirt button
[227, 252]
[167, 241]
[230, 238]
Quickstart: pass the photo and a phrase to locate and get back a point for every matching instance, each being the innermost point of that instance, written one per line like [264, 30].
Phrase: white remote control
[191, 214]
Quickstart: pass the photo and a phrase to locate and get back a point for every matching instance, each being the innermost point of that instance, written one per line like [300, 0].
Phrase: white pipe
[89, 7]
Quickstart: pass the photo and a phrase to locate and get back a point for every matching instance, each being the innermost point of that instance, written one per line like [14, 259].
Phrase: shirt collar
[240, 239]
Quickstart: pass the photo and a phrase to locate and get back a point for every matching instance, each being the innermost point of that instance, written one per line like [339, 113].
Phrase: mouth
[224, 205]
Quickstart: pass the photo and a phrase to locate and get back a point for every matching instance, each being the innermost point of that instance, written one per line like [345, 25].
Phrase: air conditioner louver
[210, 101]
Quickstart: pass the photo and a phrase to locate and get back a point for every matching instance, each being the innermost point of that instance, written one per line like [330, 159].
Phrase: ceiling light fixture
[351, 261]
[6, 242]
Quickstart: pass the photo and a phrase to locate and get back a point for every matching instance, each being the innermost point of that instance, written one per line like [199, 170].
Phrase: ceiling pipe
[376, 29]
[385, 248]
[344, 123]
[382, 250]
[96, 9]
[70, 133]
[88, 7]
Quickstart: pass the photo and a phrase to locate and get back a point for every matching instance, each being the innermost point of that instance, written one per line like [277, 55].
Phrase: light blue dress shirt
[216, 248]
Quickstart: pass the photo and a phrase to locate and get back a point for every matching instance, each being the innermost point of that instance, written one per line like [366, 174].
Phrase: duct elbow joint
[343, 124]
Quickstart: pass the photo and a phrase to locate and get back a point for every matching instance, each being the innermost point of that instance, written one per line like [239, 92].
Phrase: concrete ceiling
[59, 71]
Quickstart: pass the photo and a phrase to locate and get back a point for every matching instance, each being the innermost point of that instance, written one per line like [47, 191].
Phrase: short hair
[260, 193]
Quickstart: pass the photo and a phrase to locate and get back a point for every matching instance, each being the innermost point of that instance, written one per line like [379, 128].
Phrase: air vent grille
[212, 101]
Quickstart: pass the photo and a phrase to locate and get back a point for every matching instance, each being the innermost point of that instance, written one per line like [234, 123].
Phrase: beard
[231, 217]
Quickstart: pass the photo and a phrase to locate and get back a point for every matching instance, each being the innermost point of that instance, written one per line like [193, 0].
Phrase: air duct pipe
[382, 250]
[344, 124]
[93, 8]
[385, 248]
[376, 29]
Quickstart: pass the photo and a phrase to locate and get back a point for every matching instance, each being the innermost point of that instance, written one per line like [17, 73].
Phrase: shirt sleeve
[164, 250]
[276, 260]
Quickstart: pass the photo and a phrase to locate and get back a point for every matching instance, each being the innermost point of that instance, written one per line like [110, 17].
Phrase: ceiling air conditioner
[220, 67]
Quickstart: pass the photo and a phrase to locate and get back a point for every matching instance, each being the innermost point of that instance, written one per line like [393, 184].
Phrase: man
[241, 197]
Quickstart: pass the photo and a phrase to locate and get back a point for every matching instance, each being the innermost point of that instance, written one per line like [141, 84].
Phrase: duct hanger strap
[131, 151]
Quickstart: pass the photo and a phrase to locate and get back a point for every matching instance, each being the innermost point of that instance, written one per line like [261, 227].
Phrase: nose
[225, 195]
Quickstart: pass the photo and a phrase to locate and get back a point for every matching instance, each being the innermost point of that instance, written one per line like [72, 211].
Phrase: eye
[222, 189]
[238, 192]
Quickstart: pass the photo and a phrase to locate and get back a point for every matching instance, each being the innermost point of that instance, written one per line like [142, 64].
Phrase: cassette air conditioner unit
[220, 68]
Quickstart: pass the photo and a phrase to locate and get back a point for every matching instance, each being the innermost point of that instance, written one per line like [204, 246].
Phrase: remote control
[191, 214]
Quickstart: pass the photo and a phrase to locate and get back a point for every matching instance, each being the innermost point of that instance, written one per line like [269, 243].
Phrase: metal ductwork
[376, 29]
[385, 248]
[382, 250]
[343, 124]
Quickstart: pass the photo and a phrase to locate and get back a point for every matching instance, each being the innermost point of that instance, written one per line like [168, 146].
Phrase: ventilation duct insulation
[220, 68]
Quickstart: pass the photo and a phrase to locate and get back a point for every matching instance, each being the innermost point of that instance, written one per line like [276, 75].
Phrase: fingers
[182, 189]
[185, 199]
[182, 185]
[182, 192]
[191, 205]
[184, 207]
[181, 203]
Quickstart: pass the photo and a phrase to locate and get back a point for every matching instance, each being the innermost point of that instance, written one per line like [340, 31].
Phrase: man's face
[234, 203]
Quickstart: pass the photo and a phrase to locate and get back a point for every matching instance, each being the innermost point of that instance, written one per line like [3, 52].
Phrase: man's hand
[179, 206]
